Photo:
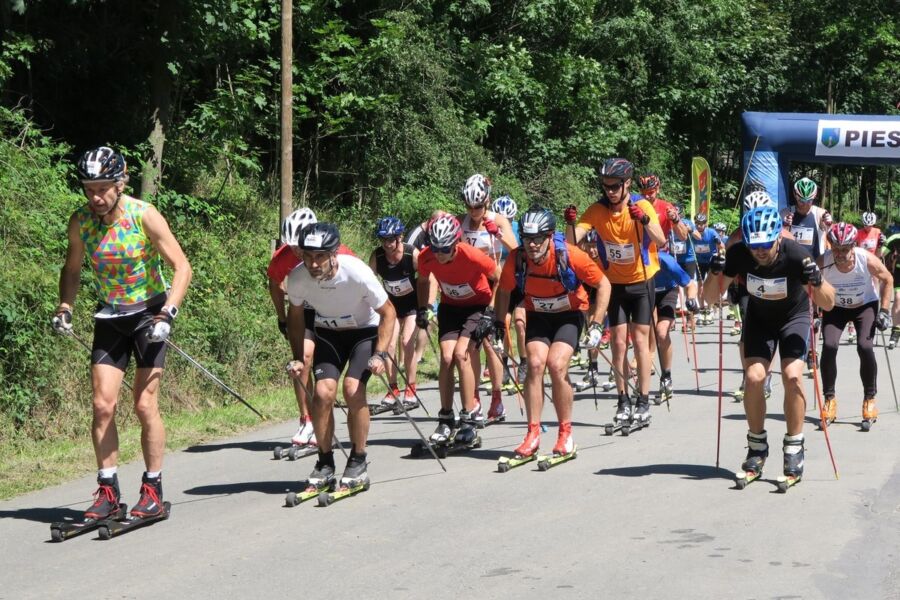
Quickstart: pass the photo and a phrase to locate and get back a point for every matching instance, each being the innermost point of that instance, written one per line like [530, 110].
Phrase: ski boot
[475, 417]
[392, 396]
[610, 382]
[446, 425]
[591, 379]
[739, 393]
[851, 333]
[767, 387]
[150, 503]
[526, 451]
[641, 417]
[794, 452]
[736, 330]
[106, 499]
[869, 414]
[354, 480]
[757, 452]
[321, 479]
[895, 337]
[665, 389]
[564, 450]
[522, 372]
[829, 412]
[497, 412]
[305, 434]
[623, 418]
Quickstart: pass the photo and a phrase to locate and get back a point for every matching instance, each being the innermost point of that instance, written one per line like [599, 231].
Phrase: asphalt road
[644, 516]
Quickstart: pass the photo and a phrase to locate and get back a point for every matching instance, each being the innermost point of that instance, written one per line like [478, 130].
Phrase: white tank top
[854, 288]
[481, 239]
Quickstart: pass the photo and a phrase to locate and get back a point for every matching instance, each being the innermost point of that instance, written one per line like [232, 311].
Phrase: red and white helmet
[444, 231]
[842, 234]
[477, 191]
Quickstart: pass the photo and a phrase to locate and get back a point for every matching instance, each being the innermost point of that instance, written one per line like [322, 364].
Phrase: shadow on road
[226, 489]
[43, 515]
[686, 471]
[257, 446]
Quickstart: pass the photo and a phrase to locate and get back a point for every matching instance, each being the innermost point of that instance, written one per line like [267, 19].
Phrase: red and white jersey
[867, 238]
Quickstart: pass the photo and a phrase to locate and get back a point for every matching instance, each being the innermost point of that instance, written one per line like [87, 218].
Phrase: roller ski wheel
[298, 452]
[113, 527]
[870, 415]
[308, 493]
[405, 406]
[63, 530]
[611, 428]
[785, 482]
[511, 462]
[866, 424]
[544, 463]
[443, 449]
[344, 491]
[635, 425]
[745, 478]
[379, 409]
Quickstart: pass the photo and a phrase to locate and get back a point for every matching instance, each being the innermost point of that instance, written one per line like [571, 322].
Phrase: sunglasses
[761, 247]
[613, 186]
[443, 249]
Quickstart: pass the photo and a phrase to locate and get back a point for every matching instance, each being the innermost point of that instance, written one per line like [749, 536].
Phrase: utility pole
[287, 122]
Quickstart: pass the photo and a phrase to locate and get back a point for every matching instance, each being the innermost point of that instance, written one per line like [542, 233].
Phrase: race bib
[620, 254]
[767, 289]
[803, 235]
[344, 322]
[869, 244]
[459, 291]
[702, 248]
[679, 247]
[551, 305]
[400, 287]
[108, 312]
[848, 299]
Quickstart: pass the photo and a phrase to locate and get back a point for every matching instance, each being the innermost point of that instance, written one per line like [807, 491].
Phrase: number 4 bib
[767, 289]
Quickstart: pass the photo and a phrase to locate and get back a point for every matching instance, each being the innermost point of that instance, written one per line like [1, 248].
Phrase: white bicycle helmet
[477, 191]
[294, 223]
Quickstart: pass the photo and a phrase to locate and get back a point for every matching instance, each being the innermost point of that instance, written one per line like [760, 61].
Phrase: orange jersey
[544, 292]
[464, 280]
[618, 234]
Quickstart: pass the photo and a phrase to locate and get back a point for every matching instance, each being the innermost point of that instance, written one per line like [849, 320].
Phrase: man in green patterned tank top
[126, 241]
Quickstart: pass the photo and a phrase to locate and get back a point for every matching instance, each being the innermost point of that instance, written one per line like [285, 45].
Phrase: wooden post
[287, 124]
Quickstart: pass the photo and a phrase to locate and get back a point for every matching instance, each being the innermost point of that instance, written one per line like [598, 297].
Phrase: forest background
[395, 104]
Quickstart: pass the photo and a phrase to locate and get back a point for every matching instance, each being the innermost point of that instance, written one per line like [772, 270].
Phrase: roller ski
[895, 337]
[739, 393]
[665, 390]
[525, 453]
[591, 379]
[149, 509]
[851, 333]
[106, 506]
[354, 480]
[449, 437]
[870, 414]
[757, 452]
[793, 464]
[497, 412]
[320, 480]
[564, 450]
[736, 330]
[302, 444]
[623, 419]
[829, 413]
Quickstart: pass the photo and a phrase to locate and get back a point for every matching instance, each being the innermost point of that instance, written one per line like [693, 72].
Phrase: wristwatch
[172, 311]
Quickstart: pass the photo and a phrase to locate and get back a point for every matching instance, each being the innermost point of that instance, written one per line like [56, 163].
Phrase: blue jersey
[683, 250]
[706, 246]
[670, 274]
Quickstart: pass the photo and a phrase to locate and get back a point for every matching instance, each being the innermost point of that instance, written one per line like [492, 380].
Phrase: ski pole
[90, 351]
[890, 371]
[651, 295]
[206, 372]
[519, 398]
[618, 373]
[812, 331]
[499, 349]
[406, 382]
[694, 317]
[721, 328]
[416, 427]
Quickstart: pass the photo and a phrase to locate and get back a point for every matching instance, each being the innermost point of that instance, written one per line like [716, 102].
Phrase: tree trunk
[161, 86]
[287, 103]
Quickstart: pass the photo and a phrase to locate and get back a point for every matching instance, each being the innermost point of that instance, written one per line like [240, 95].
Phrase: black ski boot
[151, 502]
[895, 337]
[322, 475]
[467, 425]
[446, 425]
[757, 453]
[794, 452]
[106, 499]
[642, 409]
[355, 473]
[623, 410]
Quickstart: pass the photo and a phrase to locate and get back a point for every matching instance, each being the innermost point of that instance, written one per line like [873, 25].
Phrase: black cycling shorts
[457, 321]
[515, 298]
[690, 268]
[554, 327]
[115, 339]
[336, 348]
[665, 304]
[629, 303]
[761, 336]
[309, 319]
[404, 305]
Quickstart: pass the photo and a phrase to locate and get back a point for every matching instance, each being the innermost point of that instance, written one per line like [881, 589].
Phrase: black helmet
[101, 164]
[320, 237]
[535, 221]
[617, 167]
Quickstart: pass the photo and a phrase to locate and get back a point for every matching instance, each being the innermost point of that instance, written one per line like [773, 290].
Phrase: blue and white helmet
[506, 207]
[388, 227]
[761, 226]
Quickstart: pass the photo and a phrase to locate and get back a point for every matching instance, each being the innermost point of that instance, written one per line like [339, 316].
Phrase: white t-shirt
[853, 288]
[346, 301]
